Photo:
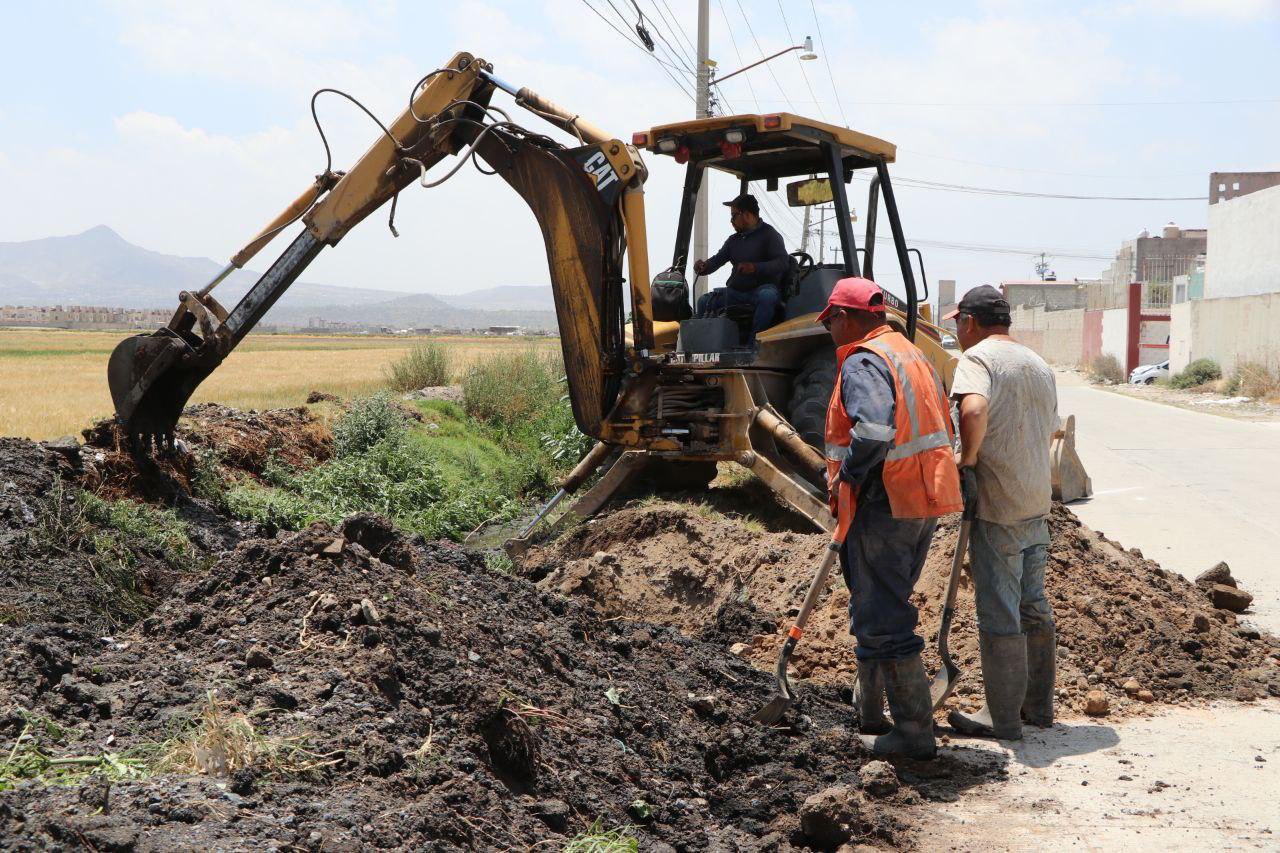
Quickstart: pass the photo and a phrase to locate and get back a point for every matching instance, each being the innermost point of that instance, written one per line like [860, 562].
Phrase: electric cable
[640, 47]
[920, 183]
[666, 66]
[822, 43]
[804, 74]
[767, 67]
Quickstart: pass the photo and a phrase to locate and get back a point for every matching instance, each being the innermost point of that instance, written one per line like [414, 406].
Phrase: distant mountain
[99, 267]
[510, 297]
[418, 310]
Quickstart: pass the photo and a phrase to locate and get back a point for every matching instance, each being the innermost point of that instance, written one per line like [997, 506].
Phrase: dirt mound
[240, 441]
[1120, 618]
[67, 554]
[432, 704]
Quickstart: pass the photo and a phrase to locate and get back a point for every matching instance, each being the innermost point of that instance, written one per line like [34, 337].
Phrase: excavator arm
[588, 201]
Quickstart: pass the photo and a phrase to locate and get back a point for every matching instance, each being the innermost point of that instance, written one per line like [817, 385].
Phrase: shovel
[949, 674]
[782, 698]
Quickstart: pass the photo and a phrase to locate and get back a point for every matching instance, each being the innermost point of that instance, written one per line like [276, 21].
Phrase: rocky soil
[1127, 628]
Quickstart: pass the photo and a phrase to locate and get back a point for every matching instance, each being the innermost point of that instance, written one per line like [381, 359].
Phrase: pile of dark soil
[239, 441]
[431, 704]
[58, 561]
[1125, 625]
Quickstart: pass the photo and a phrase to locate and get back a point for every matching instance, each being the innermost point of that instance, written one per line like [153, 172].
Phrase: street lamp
[808, 54]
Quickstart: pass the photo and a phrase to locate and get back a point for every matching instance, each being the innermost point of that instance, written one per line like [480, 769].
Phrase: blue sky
[185, 126]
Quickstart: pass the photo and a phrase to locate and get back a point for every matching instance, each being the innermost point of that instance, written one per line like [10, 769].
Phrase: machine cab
[773, 148]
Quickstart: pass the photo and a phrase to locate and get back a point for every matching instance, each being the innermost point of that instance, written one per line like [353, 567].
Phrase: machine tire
[811, 394]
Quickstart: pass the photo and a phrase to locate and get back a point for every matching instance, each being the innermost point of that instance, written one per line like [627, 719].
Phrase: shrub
[366, 423]
[1198, 372]
[559, 437]
[1255, 380]
[1105, 368]
[424, 366]
[511, 389]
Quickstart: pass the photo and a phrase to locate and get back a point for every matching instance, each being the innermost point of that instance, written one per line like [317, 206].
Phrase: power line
[822, 43]
[961, 188]
[664, 65]
[687, 59]
[1057, 104]
[680, 29]
[792, 39]
[767, 67]
[734, 41]
[1047, 171]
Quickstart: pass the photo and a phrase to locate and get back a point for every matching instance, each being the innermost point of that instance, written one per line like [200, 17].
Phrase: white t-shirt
[1014, 482]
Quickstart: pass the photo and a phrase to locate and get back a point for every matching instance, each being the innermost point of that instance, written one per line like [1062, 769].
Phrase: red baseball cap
[862, 294]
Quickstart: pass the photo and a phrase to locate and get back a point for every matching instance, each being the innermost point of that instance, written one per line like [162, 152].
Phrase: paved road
[1187, 488]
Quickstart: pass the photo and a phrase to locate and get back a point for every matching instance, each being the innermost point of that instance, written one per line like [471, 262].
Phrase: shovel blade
[943, 683]
[771, 714]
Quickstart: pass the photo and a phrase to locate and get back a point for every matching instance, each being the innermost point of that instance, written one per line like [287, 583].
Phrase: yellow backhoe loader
[672, 396]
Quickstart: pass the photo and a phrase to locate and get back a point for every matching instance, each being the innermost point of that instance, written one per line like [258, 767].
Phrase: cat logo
[598, 166]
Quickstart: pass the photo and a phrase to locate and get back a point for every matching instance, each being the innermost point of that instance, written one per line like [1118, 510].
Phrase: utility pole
[804, 236]
[822, 236]
[703, 111]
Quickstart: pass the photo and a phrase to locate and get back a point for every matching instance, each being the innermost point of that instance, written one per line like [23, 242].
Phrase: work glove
[969, 489]
[833, 495]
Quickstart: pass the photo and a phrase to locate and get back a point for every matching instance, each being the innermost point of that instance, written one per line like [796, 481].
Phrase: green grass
[597, 839]
[29, 759]
[441, 478]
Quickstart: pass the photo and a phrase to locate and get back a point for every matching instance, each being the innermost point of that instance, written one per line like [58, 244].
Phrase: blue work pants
[1007, 563]
[882, 559]
[764, 299]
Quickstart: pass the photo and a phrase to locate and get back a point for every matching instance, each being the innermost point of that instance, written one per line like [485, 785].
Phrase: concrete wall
[1091, 347]
[1243, 256]
[1058, 336]
[1115, 333]
[1179, 336]
[1228, 331]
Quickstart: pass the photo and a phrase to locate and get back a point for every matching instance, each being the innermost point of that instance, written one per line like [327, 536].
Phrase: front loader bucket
[1070, 481]
[151, 377]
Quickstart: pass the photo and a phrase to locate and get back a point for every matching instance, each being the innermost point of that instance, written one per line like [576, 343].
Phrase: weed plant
[1198, 372]
[425, 366]
[1105, 368]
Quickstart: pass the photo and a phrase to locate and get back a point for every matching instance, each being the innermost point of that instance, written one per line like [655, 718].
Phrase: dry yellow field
[54, 382]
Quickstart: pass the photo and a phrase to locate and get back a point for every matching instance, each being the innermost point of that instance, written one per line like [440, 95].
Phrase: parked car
[1149, 373]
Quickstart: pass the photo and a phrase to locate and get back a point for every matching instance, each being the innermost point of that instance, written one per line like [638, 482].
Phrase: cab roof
[774, 145]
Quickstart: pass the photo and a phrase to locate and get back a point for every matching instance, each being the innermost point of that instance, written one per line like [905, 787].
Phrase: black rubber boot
[868, 699]
[1042, 650]
[908, 688]
[1004, 676]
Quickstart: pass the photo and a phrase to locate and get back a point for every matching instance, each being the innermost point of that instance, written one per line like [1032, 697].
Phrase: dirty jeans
[764, 299]
[882, 558]
[1007, 563]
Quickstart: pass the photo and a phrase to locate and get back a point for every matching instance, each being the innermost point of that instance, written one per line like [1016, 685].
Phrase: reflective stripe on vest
[919, 472]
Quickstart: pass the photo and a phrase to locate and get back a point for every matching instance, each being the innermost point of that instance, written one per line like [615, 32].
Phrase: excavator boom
[587, 200]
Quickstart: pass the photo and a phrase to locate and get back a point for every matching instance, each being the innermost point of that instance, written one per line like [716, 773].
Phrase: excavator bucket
[151, 377]
[1070, 481]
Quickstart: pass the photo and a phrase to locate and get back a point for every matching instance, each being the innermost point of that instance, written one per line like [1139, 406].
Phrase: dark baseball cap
[981, 301]
[746, 202]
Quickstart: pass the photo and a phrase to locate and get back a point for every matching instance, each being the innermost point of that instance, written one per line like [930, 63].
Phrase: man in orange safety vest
[891, 473]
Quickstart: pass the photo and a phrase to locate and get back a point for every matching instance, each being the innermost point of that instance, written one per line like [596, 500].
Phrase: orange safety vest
[920, 472]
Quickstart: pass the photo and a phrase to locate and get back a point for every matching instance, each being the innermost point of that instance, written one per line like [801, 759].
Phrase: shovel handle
[815, 592]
